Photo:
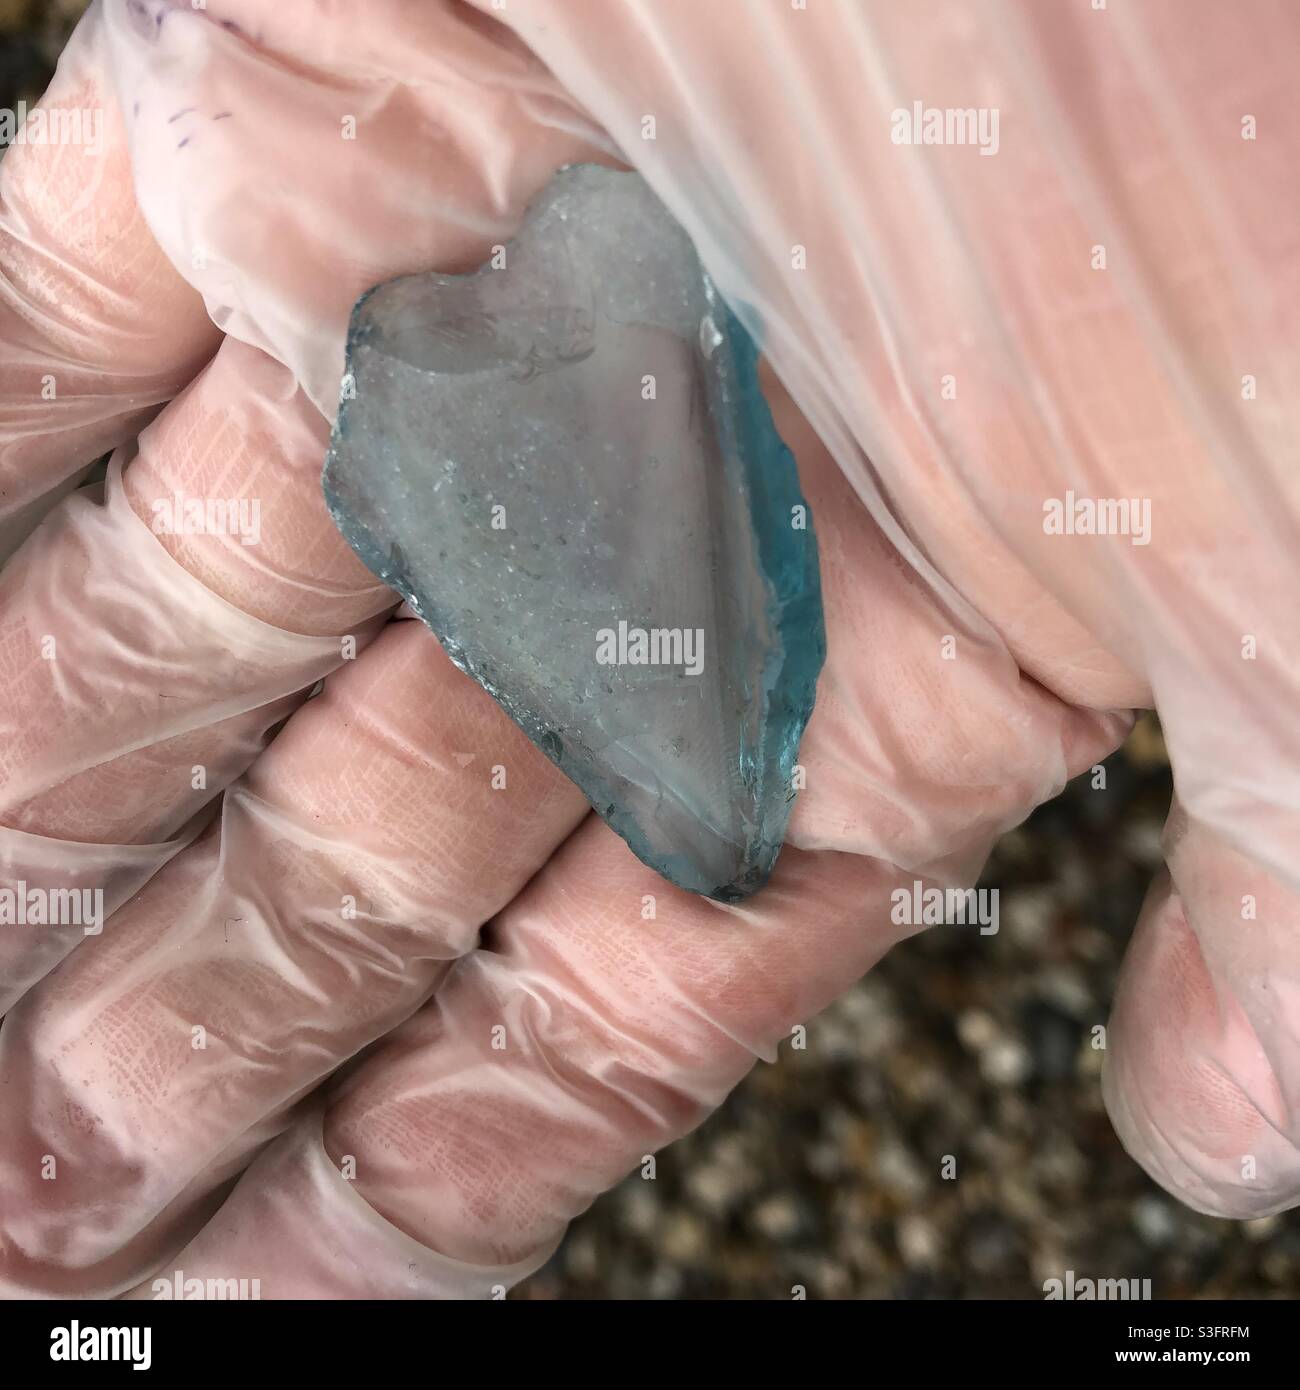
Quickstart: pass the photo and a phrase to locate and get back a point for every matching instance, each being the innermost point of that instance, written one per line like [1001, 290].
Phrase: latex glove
[975, 661]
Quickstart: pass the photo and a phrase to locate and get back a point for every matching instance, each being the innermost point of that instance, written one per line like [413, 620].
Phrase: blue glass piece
[564, 462]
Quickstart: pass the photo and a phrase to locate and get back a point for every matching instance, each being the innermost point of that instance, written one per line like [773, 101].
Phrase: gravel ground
[823, 1170]
[32, 34]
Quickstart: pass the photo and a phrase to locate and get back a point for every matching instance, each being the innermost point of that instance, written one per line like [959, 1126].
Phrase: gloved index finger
[97, 329]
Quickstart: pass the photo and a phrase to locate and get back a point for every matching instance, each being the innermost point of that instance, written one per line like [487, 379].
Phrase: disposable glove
[1093, 298]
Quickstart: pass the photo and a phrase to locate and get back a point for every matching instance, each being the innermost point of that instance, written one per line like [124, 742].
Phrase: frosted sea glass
[565, 464]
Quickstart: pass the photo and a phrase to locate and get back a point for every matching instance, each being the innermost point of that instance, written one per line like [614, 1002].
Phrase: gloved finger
[303, 1228]
[395, 813]
[547, 1065]
[1202, 1065]
[610, 1012]
[406, 138]
[199, 671]
[145, 666]
[96, 327]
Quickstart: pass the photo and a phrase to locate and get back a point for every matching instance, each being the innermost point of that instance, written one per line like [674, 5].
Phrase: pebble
[1006, 1062]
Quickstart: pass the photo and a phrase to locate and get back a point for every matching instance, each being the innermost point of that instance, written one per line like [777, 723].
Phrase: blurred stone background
[823, 1170]
[32, 33]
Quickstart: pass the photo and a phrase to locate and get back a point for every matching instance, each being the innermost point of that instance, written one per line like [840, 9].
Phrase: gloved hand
[1102, 307]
